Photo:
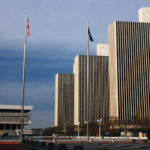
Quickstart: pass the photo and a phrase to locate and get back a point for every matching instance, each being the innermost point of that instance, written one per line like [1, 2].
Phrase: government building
[119, 79]
[98, 92]
[129, 70]
[10, 119]
[64, 100]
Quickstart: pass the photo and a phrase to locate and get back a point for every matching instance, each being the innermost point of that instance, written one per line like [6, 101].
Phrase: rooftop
[15, 107]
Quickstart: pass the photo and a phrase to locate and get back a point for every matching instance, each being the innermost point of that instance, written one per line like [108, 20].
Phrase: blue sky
[58, 33]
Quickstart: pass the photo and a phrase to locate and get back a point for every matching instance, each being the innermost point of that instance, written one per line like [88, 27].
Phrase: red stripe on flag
[28, 28]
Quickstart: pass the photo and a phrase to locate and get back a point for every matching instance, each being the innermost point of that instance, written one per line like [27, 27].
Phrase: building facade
[10, 118]
[129, 70]
[98, 104]
[144, 14]
[64, 99]
[102, 49]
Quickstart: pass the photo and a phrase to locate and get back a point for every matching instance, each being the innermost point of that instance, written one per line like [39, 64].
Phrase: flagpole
[23, 82]
[87, 81]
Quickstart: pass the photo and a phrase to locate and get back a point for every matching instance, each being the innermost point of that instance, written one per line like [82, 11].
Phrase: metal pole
[78, 130]
[65, 131]
[99, 120]
[53, 103]
[87, 80]
[23, 82]
[99, 129]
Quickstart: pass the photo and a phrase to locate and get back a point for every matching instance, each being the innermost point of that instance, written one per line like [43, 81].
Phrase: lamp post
[78, 129]
[87, 127]
[100, 121]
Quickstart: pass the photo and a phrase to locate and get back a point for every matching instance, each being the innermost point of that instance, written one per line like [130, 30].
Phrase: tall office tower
[98, 104]
[64, 99]
[129, 70]
[144, 14]
[102, 49]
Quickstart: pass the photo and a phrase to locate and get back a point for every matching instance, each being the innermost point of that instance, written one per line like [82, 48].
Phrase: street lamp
[100, 121]
[86, 122]
[78, 129]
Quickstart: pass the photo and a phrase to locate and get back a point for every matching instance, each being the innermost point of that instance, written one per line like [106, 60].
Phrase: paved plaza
[14, 147]
[101, 146]
[78, 146]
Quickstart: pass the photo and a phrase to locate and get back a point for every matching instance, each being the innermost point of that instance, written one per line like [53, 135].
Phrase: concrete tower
[64, 99]
[98, 88]
[129, 70]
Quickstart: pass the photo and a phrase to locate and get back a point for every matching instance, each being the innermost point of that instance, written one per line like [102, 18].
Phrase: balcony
[14, 120]
[5, 114]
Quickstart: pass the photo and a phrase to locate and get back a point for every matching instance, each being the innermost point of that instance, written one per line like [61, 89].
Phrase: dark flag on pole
[89, 34]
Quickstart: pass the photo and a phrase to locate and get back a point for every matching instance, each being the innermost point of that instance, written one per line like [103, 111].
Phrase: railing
[2, 114]
[27, 132]
[14, 120]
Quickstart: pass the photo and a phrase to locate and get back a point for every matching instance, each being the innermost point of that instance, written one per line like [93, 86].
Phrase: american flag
[28, 27]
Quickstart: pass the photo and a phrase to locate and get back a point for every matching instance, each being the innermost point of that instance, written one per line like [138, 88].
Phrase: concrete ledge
[9, 142]
[80, 145]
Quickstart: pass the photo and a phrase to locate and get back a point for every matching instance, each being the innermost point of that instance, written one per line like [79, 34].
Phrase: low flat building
[10, 118]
